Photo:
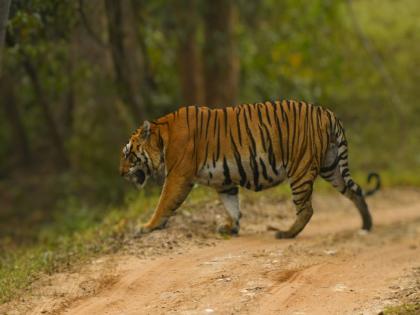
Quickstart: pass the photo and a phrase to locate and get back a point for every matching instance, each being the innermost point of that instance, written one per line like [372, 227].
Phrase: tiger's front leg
[230, 200]
[175, 191]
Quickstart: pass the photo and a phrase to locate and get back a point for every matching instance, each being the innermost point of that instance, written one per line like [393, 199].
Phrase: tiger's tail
[342, 154]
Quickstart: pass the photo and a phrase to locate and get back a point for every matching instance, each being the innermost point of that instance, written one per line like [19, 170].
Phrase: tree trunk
[8, 99]
[69, 102]
[221, 62]
[4, 16]
[188, 53]
[49, 120]
[148, 82]
[12, 114]
[123, 80]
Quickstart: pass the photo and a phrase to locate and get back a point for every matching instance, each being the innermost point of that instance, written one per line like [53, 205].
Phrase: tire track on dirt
[330, 269]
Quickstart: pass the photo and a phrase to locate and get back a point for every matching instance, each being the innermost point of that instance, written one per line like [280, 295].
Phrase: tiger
[254, 146]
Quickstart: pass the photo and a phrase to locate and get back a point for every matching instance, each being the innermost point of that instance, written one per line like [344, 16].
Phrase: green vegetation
[77, 77]
[405, 309]
[76, 234]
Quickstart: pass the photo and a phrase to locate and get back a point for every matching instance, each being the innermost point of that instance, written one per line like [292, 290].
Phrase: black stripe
[331, 167]
[272, 160]
[146, 162]
[225, 119]
[238, 124]
[195, 149]
[294, 188]
[214, 160]
[343, 155]
[286, 152]
[295, 120]
[248, 107]
[165, 123]
[208, 121]
[249, 133]
[238, 160]
[280, 135]
[226, 172]
[231, 191]
[330, 121]
[343, 143]
[264, 171]
[254, 167]
[345, 172]
[344, 190]
[218, 144]
[160, 141]
[188, 118]
[216, 122]
[267, 112]
[304, 171]
[271, 157]
[201, 122]
[267, 132]
[206, 154]
[262, 138]
[328, 176]
[304, 199]
[259, 113]
[196, 115]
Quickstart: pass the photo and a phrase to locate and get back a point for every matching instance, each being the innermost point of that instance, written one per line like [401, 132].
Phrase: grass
[77, 233]
[404, 309]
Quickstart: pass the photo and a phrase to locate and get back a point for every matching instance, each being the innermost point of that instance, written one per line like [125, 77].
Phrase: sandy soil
[331, 268]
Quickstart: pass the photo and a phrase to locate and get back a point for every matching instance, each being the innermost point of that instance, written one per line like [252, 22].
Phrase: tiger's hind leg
[333, 175]
[302, 193]
[230, 201]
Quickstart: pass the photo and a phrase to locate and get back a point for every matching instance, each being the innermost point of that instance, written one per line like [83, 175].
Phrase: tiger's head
[142, 156]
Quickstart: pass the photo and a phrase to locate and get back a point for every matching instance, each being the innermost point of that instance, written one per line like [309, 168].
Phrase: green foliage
[287, 49]
[312, 52]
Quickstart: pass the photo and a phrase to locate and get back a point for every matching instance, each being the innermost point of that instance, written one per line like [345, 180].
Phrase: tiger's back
[255, 146]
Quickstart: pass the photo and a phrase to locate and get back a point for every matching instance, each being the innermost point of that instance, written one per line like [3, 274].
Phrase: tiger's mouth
[139, 177]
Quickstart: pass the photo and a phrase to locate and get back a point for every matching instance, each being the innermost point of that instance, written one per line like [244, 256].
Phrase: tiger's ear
[145, 132]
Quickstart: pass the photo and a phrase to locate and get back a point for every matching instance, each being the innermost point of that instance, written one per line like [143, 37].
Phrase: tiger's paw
[147, 228]
[363, 232]
[141, 230]
[284, 235]
[227, 229]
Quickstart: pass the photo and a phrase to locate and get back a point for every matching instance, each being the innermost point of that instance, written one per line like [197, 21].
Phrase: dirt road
[331, 268]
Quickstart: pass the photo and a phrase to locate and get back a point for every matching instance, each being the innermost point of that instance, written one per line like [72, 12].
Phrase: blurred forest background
[78, 76]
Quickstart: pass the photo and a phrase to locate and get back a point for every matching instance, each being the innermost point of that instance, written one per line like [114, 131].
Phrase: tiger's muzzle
[137, 176]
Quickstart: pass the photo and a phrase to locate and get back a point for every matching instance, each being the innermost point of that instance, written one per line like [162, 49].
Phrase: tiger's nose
[123, 172]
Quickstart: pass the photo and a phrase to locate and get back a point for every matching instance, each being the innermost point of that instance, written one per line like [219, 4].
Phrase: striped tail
[344, 165]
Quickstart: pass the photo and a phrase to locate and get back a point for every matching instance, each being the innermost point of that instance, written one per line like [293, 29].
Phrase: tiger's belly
[254, 174]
